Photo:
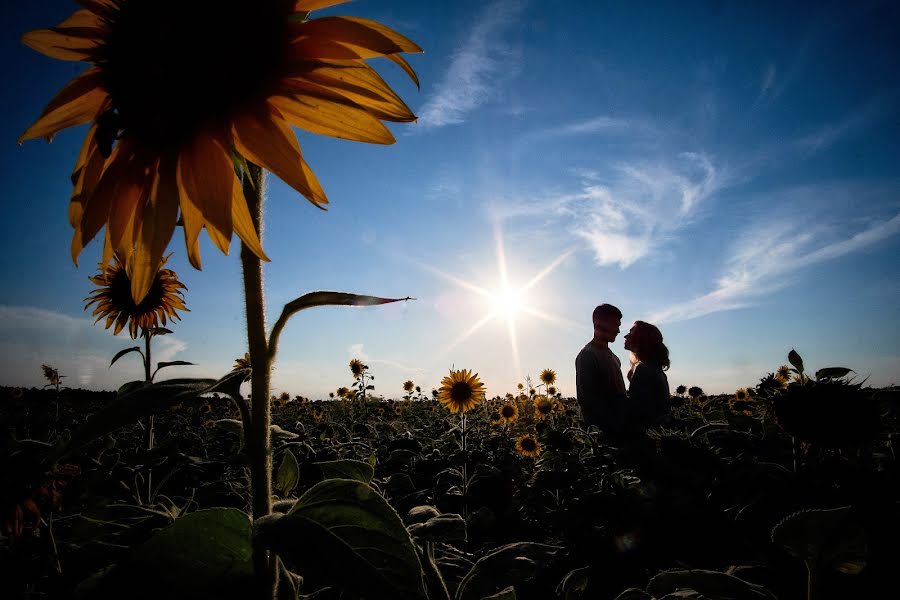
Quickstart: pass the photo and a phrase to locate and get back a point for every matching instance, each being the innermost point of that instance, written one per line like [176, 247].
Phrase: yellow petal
[134, 185]
[73, 39]
[205, 179]
[78, 102]
[155, 226]
[327, 117]
[243, 222]
[398, 59]
[308, 5]
[266, 139]
[96, 208]
[364, 33]
[354, 80]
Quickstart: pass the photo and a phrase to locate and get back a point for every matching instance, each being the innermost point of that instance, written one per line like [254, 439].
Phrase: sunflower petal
[96, 208]
[354, 80]
[133, 187]
[355, 31]
[205, 180]
[78, 102]
[334, 119]
[73, 39]
[267, 140]
[156, 226]
[243, 222]
[309, 5]
[404, 64]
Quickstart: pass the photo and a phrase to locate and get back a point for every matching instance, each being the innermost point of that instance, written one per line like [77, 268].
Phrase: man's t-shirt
[600, 387]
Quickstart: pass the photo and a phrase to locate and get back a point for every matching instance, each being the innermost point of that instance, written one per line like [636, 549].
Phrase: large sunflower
[461, 391]
[528, 446]
[509, 413]
[548, 376]
[357, 368]
[113, 299]
[181, 94]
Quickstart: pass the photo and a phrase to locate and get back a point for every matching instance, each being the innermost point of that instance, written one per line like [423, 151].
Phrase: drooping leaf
[629, 594]
[172, 363]
[574, 584]
[830, 535]
[288, 474]
[711, 584]
[343, 526]
[160, 331]
[795, 360]
[136, 400]
[833, 372]
[448, 527]
[505, 594]
[512, 564]
[347, 469]
[122, 353]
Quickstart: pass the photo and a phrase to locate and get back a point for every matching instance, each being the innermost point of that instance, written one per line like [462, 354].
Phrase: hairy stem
[257, 436]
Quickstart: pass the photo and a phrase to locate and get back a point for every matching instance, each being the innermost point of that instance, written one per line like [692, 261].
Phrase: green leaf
[708, 583]
[831, 535]
[172, 363]
[833, 372]
[288, 474]
[199, 551]
[160, 331]
[506, 594]
[448, 527]
[347, 469]
[508, 565]
[136, 400]
[629, 594]
[122, 353]
[795, 360]
[342, 526]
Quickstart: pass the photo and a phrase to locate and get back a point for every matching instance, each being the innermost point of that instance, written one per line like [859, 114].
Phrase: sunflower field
[786, 489]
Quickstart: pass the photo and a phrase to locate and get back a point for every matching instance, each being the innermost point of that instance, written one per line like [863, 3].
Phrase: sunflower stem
[257, 433]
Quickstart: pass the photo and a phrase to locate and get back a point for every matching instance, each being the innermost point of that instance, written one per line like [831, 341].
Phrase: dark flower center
[120, 295]
[173, 67]
[508, 411]
[528, 445]
[461, 391]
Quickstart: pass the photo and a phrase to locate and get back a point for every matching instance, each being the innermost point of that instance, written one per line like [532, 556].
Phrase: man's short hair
[606, 312]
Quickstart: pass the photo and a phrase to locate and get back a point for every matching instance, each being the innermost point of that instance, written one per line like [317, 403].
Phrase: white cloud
[30, 336]
[760, 267]
[477, 63]
[853, 123]
[639, 206]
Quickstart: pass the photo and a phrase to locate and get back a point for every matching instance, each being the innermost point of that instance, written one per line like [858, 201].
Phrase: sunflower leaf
[508, 593]
[833, 372]
[449, 527]
[288, 474]
[712, 584]
[160, 331]
[172, 363]
[343, 526]
[508, 565]
[122, 353]
[347, 469]
[795, 360]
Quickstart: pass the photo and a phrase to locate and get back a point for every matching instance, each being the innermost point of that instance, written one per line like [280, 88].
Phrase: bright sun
[506, 302]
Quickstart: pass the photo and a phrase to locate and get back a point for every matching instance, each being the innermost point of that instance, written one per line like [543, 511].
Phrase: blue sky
[728, 171]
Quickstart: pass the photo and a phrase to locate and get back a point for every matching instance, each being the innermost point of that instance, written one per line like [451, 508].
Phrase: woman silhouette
[648, 393]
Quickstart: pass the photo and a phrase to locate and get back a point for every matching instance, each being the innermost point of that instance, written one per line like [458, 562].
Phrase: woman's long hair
[647, 342]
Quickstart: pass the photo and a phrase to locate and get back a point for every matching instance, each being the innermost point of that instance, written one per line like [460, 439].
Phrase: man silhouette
[599, 384]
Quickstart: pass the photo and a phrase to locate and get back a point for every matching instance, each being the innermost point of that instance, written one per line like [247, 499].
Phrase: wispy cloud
[30, 336]
[764, 258]
[628, 213]
[853, 123]
[357, 351]
[478, 61]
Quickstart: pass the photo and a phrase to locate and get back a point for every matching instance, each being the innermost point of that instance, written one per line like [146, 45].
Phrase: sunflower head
[509, 413]
[551, 391]
[695, 392]
[680, 390]
[461, 391]
[542, 407]
[548, 376]
[242, 362]
[357, 368]
[51, 375]
[520, 387]
[178, 93]
[783, 374]
[741, 395]
[114, 300]
[527, 445]
[343, 392]
[408, 385]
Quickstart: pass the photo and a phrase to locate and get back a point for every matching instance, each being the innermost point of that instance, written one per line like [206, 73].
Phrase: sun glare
[506, 302]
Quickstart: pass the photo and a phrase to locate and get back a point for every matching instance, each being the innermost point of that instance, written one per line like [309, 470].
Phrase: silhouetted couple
[600, 386]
